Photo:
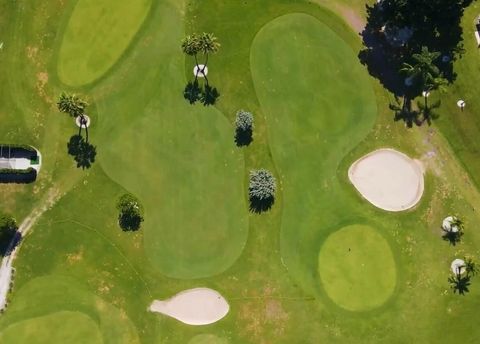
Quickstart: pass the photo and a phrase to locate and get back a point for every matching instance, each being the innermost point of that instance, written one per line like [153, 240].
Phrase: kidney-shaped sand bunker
[388, 179]
[199, 306]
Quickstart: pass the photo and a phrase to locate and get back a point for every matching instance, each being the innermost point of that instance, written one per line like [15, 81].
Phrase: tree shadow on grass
[209, 95]
[9, 239]
[243, 137]
[192, 92]
[452, 237]
[83, 152]
[459, 284]
[258, 205]
[130, 221]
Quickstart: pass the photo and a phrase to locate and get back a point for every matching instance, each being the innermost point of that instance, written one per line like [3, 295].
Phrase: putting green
[59, 327]
[97, 34]
[179, 159]
[319, 104]
[357, 268]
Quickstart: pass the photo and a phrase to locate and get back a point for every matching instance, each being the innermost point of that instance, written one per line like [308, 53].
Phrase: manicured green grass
[357, 268]
[319, 103]
[180, 160]
[96, 35]
[75, 328]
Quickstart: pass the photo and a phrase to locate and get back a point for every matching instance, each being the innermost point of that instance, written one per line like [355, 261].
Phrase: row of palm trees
[194, 45]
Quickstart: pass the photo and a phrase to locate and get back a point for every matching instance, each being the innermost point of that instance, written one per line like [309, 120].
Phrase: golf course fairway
[319, 104]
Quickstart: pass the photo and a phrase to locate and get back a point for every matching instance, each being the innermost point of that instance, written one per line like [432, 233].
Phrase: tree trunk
[206, 62]
[196, 65]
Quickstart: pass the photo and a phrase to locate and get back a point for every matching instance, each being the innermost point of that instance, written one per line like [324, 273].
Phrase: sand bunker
[199, 306]
[388, 179]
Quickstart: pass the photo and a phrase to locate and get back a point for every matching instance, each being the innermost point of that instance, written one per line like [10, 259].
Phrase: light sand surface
[199, 306]
[458, 265]
[388, 179]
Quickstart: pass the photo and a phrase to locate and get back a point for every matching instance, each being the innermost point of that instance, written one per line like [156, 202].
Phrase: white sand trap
[199, 306]
[388, 179]
[458, 266]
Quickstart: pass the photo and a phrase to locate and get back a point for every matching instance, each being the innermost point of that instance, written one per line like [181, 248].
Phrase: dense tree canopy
[420, 25]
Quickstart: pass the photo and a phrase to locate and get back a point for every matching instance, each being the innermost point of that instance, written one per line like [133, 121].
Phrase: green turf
[59, 327]
[357, 268]
[97, 34]
[196, 217]
[319, 103]
[172, 156]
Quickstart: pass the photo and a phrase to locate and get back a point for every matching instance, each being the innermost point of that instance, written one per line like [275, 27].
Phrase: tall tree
[208, 45]
[423, 70]
[75, 107]
[191, 46]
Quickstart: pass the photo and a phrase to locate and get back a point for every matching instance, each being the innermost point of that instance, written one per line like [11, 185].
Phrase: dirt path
[50, 199]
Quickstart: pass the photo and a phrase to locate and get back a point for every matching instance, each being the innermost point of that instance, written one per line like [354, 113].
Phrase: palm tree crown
[191, 44]
[71, 104]
[424, 68]
[209, 43]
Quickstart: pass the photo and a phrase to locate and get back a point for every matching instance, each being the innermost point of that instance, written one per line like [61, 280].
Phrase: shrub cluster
[244, 120]
[17, 172]
[243, 128]
[261, 190]
[131, 212]
[262, 184]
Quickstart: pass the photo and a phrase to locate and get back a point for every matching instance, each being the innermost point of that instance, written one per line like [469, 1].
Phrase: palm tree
[208, 45]
[191, 46]
[75, 107]
[423, 68]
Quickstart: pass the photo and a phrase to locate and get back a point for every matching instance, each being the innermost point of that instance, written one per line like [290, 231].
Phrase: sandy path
[388, 179]
[6, 266]
[199, 306]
